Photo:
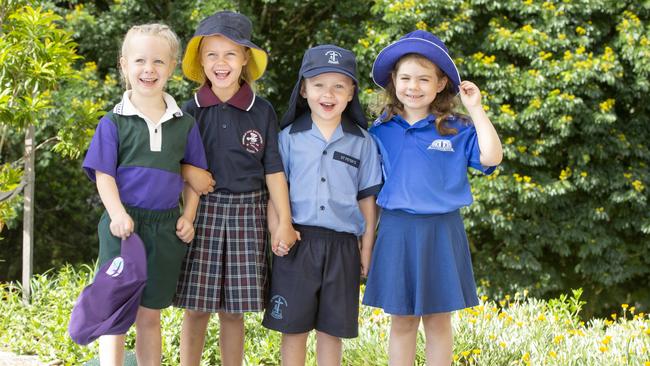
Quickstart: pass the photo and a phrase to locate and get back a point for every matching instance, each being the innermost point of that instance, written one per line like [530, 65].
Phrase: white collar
[126, 108]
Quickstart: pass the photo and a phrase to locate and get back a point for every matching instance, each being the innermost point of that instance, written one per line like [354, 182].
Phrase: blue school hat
[110, 304]
[422, 43]
[319, 60]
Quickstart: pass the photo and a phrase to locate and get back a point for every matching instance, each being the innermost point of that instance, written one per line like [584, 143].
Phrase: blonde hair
[243, 76]
[443, 105]
[153, 29]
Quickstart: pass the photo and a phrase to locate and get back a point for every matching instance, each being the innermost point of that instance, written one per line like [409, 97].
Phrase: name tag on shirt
[347, 159]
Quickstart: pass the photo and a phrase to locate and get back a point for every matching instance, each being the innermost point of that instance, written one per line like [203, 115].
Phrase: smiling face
[146, 64]
[327, 95]
[417, 82]
[222, 61]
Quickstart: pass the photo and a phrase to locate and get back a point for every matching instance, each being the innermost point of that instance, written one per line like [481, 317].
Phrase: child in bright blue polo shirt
[421, 266]
[135, 158]
[334, 173]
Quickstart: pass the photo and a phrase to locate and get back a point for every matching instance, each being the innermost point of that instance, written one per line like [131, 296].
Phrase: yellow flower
[583, 174]
[476, 351]
[625, 306]
[607, 105]
[502, 344]
[552, 354]
[565, 173]
[558, 339]
[606, 340]
[465, 353]
[421, 25]
[581, 31]
[603, 349]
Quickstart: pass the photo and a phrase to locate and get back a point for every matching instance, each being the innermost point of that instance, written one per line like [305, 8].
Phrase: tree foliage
[565, 84]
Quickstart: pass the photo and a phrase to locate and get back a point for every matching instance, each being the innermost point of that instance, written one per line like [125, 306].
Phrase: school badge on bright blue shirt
[425, 172]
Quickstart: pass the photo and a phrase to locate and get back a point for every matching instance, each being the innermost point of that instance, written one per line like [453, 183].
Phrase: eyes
[335, 86]
[227, 54]
[406, 78]
[142, 61]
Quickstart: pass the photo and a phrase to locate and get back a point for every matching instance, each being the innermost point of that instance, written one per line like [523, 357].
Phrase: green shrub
[513, 331]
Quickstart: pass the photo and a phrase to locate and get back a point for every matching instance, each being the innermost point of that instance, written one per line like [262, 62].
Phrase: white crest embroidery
[116, 267]
[441, 145]
[333, 57]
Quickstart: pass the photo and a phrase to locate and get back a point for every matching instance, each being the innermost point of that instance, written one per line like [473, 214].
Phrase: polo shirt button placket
[322, 179]
[224, 125]
[322, 208]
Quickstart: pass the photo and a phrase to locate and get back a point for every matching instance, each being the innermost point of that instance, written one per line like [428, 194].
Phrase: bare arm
[185, 223]
[121, 223]
[488, 139]
[369, 211]
[200, 180]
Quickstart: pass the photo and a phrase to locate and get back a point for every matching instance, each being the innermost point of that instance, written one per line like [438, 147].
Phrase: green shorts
[165, 251]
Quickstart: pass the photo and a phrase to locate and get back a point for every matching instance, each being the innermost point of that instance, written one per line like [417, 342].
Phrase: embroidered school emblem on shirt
[278, 302]
[252, 141]
[116, 267]
[334, 57]
[441, 145]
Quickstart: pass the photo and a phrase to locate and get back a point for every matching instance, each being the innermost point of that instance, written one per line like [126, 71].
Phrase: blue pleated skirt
[420, 265]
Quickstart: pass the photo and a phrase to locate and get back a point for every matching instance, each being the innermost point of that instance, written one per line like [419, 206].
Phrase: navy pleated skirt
[420, 265]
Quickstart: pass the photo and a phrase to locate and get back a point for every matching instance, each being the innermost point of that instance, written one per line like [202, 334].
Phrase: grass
[515, 330]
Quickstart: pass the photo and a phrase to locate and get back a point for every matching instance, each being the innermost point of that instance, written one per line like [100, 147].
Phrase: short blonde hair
[153, 29]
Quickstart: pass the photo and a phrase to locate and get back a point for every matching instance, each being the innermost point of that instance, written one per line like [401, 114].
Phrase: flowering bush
[565, 84]
[515, 330]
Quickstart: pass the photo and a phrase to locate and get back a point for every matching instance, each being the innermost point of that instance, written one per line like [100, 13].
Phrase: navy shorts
[316, 285]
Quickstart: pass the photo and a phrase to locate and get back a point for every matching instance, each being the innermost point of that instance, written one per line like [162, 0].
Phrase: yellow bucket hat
[234, 26]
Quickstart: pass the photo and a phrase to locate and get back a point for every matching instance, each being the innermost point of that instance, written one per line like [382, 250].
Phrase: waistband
[318, 232]
[404, 214]
[238, 198]
[143, 214]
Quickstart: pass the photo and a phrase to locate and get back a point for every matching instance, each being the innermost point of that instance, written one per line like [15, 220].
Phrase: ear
[123, 63]
[303, 91]
[442, 83]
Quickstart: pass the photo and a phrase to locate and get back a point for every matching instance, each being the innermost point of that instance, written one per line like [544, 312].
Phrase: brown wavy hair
[442, 107]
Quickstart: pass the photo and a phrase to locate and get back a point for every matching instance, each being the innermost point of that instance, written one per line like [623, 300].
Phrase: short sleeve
[194, 151]
[285, 150]
[102, 152]
[473, 152]
[370, 181]
[272, 160]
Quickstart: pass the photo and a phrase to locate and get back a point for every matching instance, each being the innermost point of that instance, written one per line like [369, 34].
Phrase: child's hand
[121, 225]
[366, 255]
[470, 94]
[200, 180]
[184, 229]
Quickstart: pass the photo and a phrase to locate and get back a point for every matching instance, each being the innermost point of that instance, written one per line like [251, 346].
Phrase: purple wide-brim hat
[110, 304]
[422, 43]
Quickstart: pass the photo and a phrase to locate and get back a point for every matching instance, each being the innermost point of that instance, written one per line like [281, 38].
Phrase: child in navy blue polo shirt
[225, 270]
[334, 173]
[421, 266]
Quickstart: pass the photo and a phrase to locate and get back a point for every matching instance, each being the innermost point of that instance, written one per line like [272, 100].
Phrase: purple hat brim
[388, 57]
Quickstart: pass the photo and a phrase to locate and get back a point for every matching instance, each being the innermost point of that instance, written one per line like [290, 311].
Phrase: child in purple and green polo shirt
[135, 158]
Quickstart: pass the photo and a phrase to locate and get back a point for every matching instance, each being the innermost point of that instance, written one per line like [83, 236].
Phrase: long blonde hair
[443, 105]
[153, 29]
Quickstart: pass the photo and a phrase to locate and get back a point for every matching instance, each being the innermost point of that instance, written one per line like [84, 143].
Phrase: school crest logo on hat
[333, 57]
[422, 43]
[110, 304]
[234, 26]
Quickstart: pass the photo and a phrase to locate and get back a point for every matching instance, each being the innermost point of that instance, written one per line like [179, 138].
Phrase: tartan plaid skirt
[225, 269]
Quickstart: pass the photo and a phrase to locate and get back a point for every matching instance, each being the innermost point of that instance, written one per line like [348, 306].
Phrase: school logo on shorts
[116, 267]
[278, 302]
[252, 141]
[441, 145]
[333, 57]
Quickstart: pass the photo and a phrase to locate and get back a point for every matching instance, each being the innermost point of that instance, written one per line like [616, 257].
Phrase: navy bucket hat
[319, 60]
[422, 43]
[110, 304]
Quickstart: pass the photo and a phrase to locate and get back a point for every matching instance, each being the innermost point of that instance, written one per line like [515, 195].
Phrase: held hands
[470, 94]
[283, 239]
[121, 225]
[185, 229]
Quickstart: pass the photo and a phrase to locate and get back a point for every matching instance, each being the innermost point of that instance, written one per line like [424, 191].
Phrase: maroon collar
[243, 99]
